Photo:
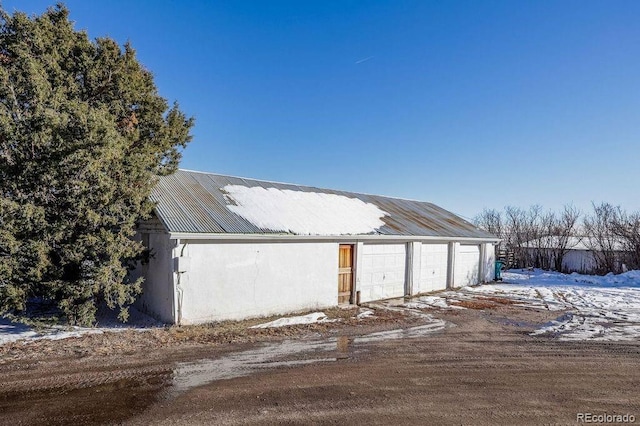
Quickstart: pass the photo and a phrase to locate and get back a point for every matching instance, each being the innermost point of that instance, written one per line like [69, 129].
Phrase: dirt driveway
[471, 366]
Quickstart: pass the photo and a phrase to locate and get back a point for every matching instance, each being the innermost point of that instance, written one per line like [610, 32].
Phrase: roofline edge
[328, 238]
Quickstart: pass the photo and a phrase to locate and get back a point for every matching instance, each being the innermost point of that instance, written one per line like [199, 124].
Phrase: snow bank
[302, 319]
[303, 213]
[539, 277]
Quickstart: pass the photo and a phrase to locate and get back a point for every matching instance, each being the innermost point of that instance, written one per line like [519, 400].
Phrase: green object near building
[499, 265]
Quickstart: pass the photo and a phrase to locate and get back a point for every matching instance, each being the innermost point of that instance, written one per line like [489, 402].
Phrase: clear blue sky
[467, 104]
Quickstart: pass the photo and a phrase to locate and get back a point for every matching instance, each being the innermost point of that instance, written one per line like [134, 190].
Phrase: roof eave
[325, 238]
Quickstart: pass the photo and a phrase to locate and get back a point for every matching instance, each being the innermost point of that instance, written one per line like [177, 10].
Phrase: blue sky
[467, 104]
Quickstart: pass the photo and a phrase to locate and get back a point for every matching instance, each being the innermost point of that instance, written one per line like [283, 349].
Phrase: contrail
[364, 59]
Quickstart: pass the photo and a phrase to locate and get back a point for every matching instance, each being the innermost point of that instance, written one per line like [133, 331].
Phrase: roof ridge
[315, 187]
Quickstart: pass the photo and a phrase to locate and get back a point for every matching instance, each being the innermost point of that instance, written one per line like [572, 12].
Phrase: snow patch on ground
[599, 307]
[311, 318]
[107, 322]
[303, 213]
[441, 302]
[365, 314]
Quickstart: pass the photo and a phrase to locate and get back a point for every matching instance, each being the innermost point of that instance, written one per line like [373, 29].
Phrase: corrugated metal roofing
[194, 202]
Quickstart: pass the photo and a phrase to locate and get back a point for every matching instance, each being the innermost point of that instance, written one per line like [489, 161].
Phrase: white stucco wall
[489, 262]
[157, 297]
[197, 281]
[226, 281]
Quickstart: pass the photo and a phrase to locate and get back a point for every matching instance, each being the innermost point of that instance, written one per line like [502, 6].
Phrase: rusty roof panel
[194, 202]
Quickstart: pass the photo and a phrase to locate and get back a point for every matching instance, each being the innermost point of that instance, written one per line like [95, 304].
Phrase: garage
[433, 268]
[229, 248]
[382, 275]
[467, 269]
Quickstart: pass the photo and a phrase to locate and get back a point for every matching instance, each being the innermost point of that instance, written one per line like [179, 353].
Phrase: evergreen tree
[83, 137]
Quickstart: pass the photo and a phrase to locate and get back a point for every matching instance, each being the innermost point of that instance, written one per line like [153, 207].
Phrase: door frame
[352, 294]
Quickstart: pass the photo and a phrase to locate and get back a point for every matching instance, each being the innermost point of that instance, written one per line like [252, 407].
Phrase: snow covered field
[599, 308]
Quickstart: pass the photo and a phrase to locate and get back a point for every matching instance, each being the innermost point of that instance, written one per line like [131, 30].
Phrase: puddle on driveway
[402, 333]
[188, 375]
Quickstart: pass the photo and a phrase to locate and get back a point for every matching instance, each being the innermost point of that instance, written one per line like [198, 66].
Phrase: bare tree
[626, 228]
[536, 238]
[564, 230]
[515, 219]
[491, 221]
[542, 239]
[522, 229]
[545, 240]
[601, 239]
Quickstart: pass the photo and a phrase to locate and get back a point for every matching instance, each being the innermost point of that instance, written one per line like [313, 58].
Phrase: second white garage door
[433, 267]
[467, 267]
[382, 273]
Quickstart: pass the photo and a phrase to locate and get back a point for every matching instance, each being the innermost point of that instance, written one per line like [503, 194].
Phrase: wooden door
[345, 274]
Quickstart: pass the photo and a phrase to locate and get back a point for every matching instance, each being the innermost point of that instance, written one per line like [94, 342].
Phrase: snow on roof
[304, 213]
[195, 202]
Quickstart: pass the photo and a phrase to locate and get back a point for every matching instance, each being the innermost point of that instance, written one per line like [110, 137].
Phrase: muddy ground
[479, 366]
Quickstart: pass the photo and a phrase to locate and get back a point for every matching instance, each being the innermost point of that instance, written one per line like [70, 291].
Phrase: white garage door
[467, 266]
[382, 273]
[433, 267]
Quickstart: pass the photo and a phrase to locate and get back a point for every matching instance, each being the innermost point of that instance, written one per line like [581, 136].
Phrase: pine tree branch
[16, 104]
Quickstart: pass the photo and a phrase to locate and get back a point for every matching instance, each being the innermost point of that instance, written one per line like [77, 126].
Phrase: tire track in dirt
[79, 380]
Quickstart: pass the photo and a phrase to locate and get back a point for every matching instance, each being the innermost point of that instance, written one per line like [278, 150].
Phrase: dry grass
[482, 302]
[219, 333]
[473, 304]
[241, 331]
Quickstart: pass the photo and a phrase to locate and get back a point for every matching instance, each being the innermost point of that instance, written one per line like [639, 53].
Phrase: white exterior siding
[382, 271]
[467, 265]
[199, 281]
[158, 296]
[433, 268]
[240, 280]
[489, 262]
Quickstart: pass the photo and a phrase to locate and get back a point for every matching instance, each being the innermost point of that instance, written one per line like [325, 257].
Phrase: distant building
[580, 255]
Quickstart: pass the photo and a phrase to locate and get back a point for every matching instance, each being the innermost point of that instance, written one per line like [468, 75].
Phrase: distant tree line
[542, 238]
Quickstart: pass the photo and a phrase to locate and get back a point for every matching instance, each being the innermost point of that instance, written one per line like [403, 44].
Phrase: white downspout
[451, 264]
[179, 267]
[482, 273]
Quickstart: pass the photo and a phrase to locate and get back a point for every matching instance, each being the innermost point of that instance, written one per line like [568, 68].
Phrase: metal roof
[195, 203]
